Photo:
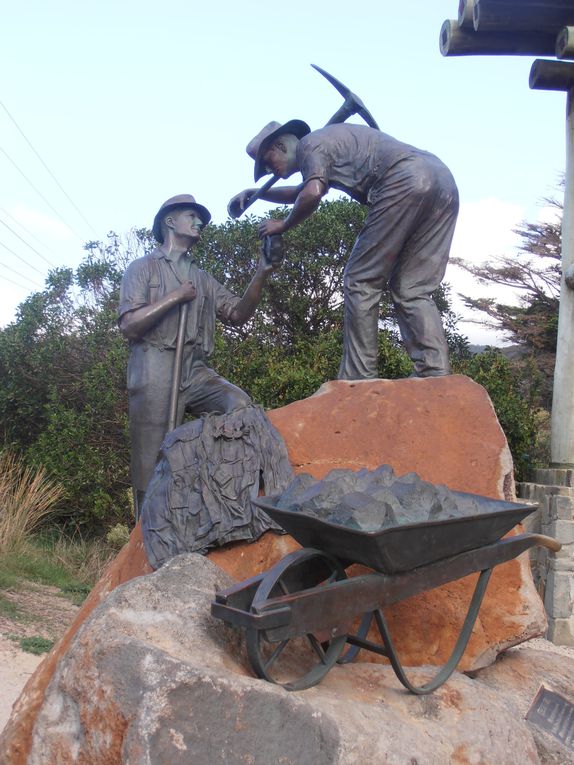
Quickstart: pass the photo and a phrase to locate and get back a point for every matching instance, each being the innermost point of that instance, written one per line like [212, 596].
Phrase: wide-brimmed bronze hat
[257, 147]
[173, 203]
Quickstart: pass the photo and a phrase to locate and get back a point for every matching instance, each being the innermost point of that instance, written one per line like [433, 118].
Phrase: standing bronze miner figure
[152, 291]
[405, 242]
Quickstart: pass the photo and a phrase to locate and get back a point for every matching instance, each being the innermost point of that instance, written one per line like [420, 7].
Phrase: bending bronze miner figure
[152, 291]
[405, 242]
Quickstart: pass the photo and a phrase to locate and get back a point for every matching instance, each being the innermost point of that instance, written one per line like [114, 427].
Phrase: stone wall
[553, 489]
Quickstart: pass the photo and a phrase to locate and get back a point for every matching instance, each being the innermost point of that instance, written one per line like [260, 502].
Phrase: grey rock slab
[517, 676]
[152, 679]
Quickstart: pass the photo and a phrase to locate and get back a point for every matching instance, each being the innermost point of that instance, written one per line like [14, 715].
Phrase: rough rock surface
[445, 430]
[517, 676]
[15, 739]
[152, 678]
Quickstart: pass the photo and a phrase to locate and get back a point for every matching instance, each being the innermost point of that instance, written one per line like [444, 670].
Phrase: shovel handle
[177, 366]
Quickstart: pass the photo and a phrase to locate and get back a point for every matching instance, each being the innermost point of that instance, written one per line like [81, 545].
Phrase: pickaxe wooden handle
[352, 105]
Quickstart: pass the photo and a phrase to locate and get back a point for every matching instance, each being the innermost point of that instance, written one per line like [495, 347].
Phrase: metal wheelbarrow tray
[402, 548]
[298, 616]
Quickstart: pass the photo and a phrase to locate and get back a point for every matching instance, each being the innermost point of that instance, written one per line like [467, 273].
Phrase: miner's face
[185, 222]
[280, 157]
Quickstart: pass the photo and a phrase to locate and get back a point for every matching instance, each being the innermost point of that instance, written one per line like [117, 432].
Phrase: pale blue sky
[131, 102]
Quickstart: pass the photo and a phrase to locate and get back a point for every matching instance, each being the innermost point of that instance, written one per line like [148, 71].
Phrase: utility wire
[6, 279]
[35, 284]
[56, 181]
[27, 230]
[51, 206]
[26, 243]
[21, 258]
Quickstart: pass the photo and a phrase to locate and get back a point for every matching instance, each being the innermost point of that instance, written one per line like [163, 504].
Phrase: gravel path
[15, 669]
[42, 612]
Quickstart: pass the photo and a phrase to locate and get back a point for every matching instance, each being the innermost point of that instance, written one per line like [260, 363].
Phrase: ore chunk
[363, 479]
[445, 505]
[384, 475]
[416, 500]
[320, 495]
[289, 500]
[468, 505]
[390, 505]
[359, 510]
[344, 479]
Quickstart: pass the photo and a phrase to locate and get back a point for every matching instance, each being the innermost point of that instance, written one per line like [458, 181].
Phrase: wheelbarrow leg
[446, 671]
[353, 649]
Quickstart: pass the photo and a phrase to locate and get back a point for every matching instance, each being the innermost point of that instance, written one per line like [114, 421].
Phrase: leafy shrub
[36, 644]
[515, 411]
[118, 536]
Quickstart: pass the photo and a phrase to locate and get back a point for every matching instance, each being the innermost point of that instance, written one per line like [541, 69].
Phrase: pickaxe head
[352, 105]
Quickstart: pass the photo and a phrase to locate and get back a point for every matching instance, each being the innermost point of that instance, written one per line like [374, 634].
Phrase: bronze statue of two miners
[168, 305]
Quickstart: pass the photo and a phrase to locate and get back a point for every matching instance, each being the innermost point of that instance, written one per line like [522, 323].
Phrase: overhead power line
[23, 276]
[26, 243]
[56, 181]
[21, 258]
[50, 205]
[27, 230]
[6, 279]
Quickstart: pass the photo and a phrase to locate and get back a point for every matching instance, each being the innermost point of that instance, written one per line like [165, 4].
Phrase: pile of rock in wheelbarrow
[371, 500]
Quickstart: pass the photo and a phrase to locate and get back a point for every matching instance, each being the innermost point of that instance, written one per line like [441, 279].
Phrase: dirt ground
[42, 612]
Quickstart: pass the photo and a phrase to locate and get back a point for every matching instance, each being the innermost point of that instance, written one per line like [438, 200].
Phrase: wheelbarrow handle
[549, 542]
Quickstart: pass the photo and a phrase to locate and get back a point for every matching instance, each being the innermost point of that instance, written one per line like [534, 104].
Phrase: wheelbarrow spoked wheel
[302, 661]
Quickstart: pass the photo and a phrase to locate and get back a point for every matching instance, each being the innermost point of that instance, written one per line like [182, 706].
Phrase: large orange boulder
[445, 429]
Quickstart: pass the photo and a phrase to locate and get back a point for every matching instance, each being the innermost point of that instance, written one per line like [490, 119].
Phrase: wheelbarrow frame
[307, 593]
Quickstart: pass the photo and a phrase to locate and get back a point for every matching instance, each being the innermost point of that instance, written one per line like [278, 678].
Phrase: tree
[534, 272]
[63, 401]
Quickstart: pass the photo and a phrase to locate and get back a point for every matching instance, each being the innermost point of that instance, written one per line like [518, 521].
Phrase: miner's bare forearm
[307, 202]
[245, 309]
[284, 195]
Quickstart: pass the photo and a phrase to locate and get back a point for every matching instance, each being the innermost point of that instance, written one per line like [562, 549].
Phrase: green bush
[514, 408]
[63, 403]
[118, 536]
[36, 644]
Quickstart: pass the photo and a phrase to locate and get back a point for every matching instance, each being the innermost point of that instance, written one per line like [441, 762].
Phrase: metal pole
[562, 439]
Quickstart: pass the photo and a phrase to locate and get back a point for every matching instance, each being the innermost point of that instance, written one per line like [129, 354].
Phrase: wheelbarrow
[298, 616]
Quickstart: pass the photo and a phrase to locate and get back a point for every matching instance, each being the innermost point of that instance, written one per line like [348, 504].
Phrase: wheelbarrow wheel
[298, 662]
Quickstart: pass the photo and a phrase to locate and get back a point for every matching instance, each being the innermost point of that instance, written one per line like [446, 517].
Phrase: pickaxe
[352, 105]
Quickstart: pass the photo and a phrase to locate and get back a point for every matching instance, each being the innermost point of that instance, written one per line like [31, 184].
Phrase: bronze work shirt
[351, 158]
[148, 279]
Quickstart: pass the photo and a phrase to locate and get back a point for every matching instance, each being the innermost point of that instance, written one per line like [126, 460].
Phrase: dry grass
[27, 497]
[85, 560]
